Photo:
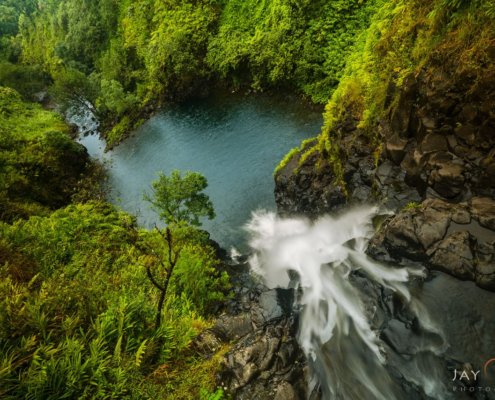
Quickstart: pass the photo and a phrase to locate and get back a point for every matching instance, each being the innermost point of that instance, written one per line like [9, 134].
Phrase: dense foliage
[404, 38]
[40, 166]
[77, 309]
[127, 56]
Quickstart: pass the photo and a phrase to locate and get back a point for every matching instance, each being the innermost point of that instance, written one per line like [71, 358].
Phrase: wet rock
[265, 359]
[400, 238]
[483, 209]
[285, 391]
[454, 256]
[270, 305]
[310, 188]
[446, 236]
[266, 364]
[460, 214]
[431, 226]
[485, 276]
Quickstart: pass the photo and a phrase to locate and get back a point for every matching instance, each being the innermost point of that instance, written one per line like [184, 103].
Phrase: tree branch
[152, 278]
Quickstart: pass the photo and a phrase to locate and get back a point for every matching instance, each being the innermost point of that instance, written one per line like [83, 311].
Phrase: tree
[181, 203]
[181, 199]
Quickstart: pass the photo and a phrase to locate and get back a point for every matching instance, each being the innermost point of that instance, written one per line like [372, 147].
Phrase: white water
[318, 258]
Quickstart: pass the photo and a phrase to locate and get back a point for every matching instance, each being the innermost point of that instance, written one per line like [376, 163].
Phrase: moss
[412, 205]
[288, 157]
[24, 119]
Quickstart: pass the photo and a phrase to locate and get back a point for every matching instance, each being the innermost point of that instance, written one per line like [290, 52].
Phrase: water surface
[236, 142]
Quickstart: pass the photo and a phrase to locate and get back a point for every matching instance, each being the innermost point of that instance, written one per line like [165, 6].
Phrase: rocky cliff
[428, 153]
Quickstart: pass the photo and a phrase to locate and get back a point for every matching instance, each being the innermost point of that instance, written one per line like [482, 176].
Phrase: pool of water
[235, 142]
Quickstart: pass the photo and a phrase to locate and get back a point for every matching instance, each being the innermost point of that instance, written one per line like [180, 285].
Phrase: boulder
[433, 142]
[483, 209]
[485, 276]
[395, 148]
[454, 256]
[444, 236]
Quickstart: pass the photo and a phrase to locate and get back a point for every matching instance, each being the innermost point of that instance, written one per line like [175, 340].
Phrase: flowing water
[371, 331]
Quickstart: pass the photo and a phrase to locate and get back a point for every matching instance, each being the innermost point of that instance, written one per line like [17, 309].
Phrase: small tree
[181, 199]
[180, 203]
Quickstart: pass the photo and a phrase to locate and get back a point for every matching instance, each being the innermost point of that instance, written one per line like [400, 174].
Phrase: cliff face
[420, 127]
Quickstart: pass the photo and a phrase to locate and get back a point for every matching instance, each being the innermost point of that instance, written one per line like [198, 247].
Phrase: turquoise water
[236, 142]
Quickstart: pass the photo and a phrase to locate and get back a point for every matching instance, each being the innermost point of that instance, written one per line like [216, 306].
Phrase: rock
[485, 276]
[466, 133]
[230, 327]
[285, 391]
[461, 215]
[468, 113]
[444, 236]
[261, 328]
[400, 238]
[262, 362]
[483, 209]
[269, 303]
[448, 180]
[428, 122]
[431, 226]
[313, 191]
[454, 256]
[433, 142]
[395, 148]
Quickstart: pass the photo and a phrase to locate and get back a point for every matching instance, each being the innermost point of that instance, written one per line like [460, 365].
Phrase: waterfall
[320, 259]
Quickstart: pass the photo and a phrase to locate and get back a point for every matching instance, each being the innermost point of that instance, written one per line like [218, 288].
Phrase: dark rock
[466, 133]
[265, 358]
[400, 238]
[468, 113]
[483, 209]
[266, 364]
[431, 226]
[485, 276]
[428, 122]
[285, 391]
[454, 256]
[445, 236]
[433, 142]
[395, 148]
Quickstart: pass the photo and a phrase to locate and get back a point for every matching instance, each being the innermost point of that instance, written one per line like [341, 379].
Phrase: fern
[140, 353]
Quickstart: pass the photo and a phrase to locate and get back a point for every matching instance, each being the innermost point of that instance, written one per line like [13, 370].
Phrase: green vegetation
[40, 166]
[180, 199]
[300, 43]
[180, 203]
[91, 305]
[127, 57]
[412, 205]
[403, 39]
[77, 309]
